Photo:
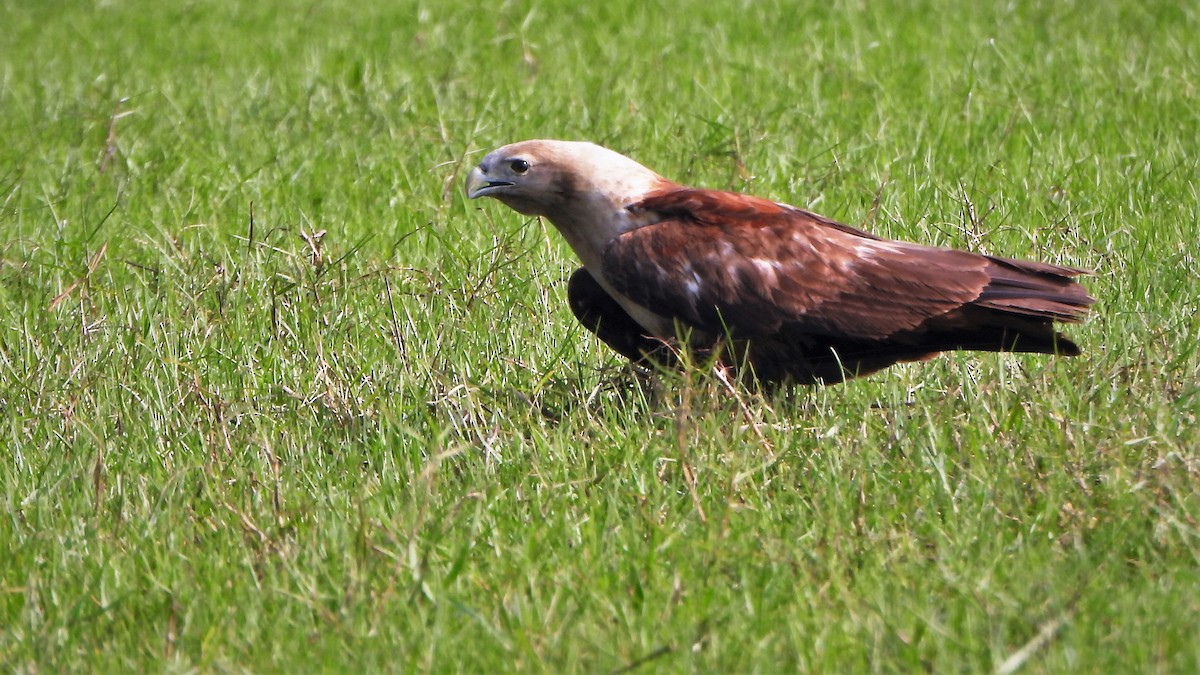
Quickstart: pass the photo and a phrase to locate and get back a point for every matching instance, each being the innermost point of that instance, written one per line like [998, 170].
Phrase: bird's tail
[1015, 312]
[1038, 291]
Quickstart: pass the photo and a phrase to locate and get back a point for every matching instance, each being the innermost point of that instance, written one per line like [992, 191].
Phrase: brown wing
[724, 261]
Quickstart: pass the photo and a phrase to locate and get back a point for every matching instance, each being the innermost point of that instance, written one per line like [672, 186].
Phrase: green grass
[227, 448]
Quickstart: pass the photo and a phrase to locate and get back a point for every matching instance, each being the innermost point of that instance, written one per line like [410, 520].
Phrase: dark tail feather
[1015, 312]
[1034, 289]
[835, 361]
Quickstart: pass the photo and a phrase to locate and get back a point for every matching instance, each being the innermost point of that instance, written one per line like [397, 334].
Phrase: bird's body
[794, 296]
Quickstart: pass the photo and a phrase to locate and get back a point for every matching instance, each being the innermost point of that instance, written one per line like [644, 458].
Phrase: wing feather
[724, 261]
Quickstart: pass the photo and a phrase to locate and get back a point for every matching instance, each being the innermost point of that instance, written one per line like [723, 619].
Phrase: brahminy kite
[792, 296]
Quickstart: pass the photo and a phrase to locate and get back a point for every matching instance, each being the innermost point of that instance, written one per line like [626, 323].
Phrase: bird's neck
[590, 226]
[592, 219]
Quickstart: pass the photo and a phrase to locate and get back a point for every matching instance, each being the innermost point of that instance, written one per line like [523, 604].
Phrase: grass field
[232, 443]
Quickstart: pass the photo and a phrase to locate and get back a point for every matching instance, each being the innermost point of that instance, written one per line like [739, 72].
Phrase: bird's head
[550, 178]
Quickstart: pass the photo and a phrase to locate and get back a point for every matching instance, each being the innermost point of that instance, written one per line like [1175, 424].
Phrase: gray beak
[479, 185]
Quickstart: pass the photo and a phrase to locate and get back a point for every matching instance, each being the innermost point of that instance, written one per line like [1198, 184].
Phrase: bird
[779, 294]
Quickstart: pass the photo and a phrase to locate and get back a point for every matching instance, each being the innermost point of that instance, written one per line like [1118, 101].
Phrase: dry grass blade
[1044, 636]
[92, 264]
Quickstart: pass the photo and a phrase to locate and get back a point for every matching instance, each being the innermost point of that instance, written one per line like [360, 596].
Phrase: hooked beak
[478, 184]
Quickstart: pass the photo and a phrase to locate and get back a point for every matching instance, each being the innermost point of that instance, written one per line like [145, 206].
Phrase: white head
[553, 178]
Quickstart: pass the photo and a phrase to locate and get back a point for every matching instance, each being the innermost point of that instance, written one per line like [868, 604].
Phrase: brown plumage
[795, 296]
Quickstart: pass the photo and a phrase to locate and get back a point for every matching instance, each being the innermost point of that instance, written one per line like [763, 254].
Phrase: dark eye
[518, 166]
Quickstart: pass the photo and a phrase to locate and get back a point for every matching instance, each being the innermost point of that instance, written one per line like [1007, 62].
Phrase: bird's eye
[519, 166]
